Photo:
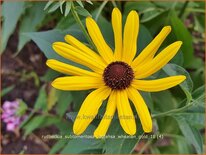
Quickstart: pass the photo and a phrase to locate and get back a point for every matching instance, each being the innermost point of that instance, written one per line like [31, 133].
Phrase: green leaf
[78, 98]
[50, 75]
[140, 6]
[11, 12]
[52, 98]
[22, 108]
[39, 122]
[44, 41]
[80, 3]
[61, 2]
[106, 29]
[191, 134]
[144, 38]
[72, 146]
[6, 90]
[123, 145]
[82, 11]
[148, 100]
[54, 7]
[195, 119]
[67, 8]
[41, 102]
[90, 2]
[64, 100]
[187, 85]
[199, 95]
[48, 4]
[85, 140]
[34, 16]
[58, 146]
[184, 35]
[183, 147]
[161, 101]
[199, 99]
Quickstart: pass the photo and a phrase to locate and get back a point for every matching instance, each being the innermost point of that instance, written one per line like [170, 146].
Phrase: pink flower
[9, 115]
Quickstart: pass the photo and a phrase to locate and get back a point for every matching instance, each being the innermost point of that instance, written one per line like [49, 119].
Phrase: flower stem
[100, 9]
[167, 113]
[76, 17]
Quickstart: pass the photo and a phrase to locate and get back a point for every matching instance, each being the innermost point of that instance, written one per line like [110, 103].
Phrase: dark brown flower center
[118, 75]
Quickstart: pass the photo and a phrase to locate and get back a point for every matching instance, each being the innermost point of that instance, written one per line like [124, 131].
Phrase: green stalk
[100, 9]
[76, 17]
[167, 113]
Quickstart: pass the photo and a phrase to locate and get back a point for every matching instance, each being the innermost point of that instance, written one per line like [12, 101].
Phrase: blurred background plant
[28, 31]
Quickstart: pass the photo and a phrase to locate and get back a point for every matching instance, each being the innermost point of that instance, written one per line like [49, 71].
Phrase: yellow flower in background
[115, 75]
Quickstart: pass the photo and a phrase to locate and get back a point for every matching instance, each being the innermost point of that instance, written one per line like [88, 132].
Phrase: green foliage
[6, 90]
[31, 21]
[53, 6]
[124, 142]
[191, 134]
[41, 102]
[11, 12]
[22, 108]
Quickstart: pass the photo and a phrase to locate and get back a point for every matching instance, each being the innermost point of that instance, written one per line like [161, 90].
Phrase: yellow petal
[89, 109]
[96, 35]
[148, 53]
[69, 69]
[158, 62]
[107, 118]
[69, 52]
[76, 43]
[159, 84]
[117, 28]
[141, 108]
[77, 83]
[125, 113]
[131, 30]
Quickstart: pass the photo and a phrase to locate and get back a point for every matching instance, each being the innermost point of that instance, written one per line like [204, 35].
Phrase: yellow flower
[115, 75]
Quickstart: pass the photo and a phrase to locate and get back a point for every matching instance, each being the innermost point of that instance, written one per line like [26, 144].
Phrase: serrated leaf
[11, 12]
[82, 11]
[67, 8]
